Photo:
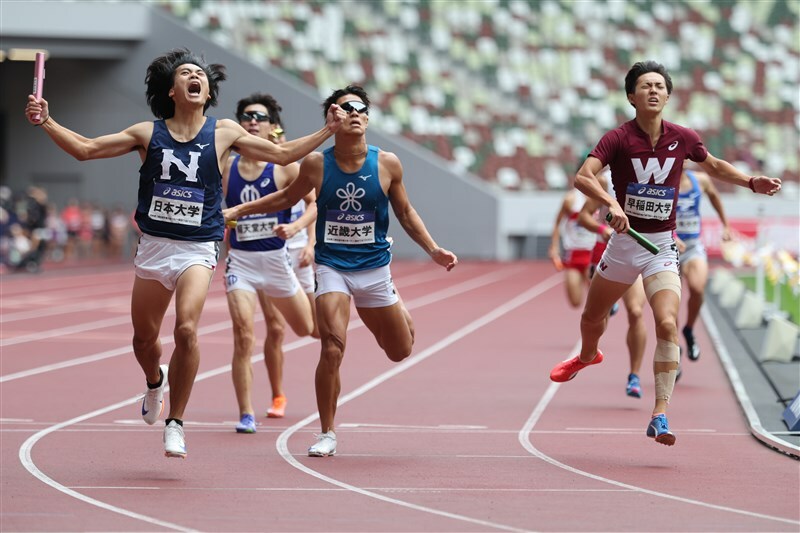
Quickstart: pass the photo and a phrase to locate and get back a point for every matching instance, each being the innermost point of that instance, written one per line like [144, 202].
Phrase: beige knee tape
[662, 281]
[666, 352]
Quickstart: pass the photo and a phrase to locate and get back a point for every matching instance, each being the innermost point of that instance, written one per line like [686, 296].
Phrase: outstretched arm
[587, 219]
[282, 154]
[287, 231]
[284, 198]
[724, 171]
[408, 217]
[136, 137]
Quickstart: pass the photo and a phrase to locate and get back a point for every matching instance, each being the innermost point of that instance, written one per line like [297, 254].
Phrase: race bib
[688, 224]
[177, 205]
[649, 201]
[255, 228]
[350, 227]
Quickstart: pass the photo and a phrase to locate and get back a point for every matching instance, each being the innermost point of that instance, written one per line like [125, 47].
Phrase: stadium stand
[516, 91]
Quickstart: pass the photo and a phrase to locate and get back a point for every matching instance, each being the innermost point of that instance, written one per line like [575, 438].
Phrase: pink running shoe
[566, 370]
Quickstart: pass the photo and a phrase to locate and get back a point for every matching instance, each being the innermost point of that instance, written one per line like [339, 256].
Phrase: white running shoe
[153, 402]
[325, 445]
[174, 442]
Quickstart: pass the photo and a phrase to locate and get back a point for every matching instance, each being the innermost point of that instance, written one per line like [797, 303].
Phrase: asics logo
[672, 146]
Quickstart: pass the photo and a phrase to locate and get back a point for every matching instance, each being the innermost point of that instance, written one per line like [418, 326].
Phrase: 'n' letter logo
[652, 170]
[169, 159]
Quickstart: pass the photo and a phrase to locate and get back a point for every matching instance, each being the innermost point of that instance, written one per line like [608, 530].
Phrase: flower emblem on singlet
[350, 196]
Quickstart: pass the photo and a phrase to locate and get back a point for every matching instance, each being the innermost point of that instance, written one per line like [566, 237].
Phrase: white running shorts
[368, 288]
[694, 250]
[269, 272]
[305, 275]
[164, 260]
[625, 259]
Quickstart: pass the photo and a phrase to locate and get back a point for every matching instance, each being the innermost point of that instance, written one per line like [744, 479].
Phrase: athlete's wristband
[752, 184]
[601, 230]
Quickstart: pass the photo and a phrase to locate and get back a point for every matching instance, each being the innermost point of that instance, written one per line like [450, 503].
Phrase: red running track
[468, 434]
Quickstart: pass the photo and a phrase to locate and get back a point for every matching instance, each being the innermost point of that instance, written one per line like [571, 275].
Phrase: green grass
[790, 302]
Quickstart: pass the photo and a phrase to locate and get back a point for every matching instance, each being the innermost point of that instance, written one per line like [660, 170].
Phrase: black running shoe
[692, 348]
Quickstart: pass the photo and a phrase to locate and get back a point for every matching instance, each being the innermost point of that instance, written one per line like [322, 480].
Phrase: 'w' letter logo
[652, 170]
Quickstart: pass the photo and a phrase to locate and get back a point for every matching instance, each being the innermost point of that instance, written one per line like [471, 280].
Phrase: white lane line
[401, 427]
[27, 446]
[27, 462]
[68, 330]
[283, 440]
[212, 328]
[91, 326]
[108, 354]
[50, 310]
[334, 489]
[753, 420]
[524, 440]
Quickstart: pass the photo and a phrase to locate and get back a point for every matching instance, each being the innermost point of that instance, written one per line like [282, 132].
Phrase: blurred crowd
[517, 91]
[34, 231]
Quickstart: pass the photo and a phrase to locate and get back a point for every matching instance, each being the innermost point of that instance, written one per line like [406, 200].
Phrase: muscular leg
[602, 295]
[696, 274]
[149, 302]
[634, 299]
[190, 295]
[665, 303]
[273, 346]
[312, 303]
[575, 281]
[333, 316]
[392, 327]
[242, 305]
[297, 313]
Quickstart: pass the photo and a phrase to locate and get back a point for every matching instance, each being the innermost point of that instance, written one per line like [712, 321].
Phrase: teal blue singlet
[352, 216]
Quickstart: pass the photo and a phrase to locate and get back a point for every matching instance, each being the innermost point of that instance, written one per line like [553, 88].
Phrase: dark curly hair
[161, 77]
[643, 67]
[267, 100]
[338, 93]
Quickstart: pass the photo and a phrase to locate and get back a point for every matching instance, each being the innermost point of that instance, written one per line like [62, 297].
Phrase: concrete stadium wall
[97, 96]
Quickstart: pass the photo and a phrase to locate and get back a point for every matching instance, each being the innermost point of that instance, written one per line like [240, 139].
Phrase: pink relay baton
[38, 79]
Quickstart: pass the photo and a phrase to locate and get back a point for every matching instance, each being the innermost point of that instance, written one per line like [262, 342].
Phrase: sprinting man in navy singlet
[178, 212]
[355, 184]
[259, 267]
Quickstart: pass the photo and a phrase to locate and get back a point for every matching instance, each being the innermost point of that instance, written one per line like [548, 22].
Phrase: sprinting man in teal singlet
[355, 183]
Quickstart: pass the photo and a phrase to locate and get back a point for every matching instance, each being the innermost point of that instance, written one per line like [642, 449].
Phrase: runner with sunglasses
[355, 183]
[259, 268]
[179, 212]
[646, 157]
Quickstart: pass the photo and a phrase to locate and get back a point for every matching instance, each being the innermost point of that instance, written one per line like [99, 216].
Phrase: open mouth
[195, 87]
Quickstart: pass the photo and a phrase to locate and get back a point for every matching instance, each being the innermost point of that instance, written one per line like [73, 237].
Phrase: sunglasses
[355, 105]
[258, 116]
